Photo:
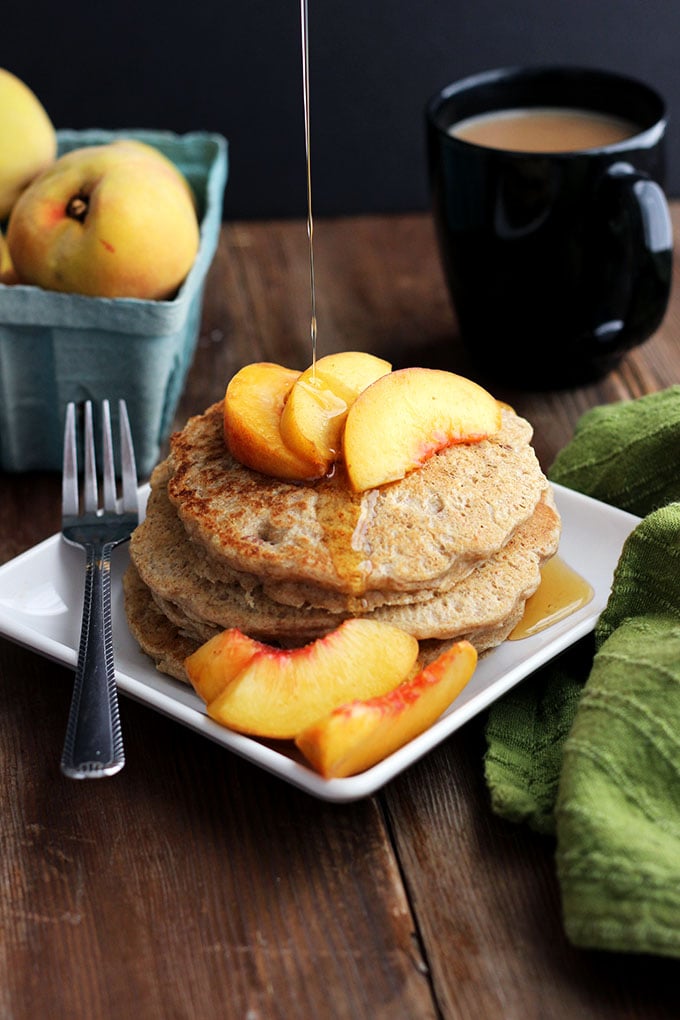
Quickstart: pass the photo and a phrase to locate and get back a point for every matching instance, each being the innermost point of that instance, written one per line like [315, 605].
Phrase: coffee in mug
[544, 130]
[553, 227]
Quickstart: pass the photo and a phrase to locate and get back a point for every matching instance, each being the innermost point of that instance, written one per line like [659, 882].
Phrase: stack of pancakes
[451, 551]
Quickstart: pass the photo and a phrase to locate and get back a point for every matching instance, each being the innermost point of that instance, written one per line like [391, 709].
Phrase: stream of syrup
[304, 30]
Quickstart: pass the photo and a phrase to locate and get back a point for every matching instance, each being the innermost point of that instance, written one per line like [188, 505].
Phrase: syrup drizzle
[344, 517]
[304, 27]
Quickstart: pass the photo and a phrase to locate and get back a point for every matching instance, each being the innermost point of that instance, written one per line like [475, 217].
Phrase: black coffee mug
[557, 262]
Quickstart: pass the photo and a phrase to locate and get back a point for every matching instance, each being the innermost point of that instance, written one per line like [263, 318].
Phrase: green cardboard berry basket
[56, 347]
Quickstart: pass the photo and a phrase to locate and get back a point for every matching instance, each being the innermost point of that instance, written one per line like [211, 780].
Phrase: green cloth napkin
[589, 747]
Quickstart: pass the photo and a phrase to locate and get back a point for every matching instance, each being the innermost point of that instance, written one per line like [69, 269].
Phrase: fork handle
[93, 746]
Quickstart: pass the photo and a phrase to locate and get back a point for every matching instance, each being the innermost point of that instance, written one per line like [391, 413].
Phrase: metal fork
[93, 746]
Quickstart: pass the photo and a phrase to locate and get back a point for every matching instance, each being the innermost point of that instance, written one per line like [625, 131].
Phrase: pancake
[161, 547]
[427, 531]
[168, 644]
[483, 599]
[158, 638]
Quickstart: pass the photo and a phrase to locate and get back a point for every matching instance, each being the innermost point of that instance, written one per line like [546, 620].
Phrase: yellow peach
[314, 414]
[253, 404]
[359, 734]
[312, 422]
[212, 666]
[407, 416]
[29, 141]
[111, 220]
[139, 148]
[280, 692]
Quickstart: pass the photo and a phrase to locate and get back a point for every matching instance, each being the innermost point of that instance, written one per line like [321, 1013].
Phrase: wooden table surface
[195, 885]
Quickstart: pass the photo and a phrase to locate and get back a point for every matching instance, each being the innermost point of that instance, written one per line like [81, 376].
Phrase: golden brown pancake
[425, 531]
[162, 634]
[158, 638]
[480, 601]
[162, 549]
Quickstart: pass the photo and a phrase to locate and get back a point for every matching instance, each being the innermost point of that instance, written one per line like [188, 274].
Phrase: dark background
[235, 67]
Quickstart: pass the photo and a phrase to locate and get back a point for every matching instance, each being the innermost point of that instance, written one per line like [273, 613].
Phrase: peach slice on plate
[219, 660]
[403, 418]
[253, 404]
[314, 414]
[280, 692]
[359, 734]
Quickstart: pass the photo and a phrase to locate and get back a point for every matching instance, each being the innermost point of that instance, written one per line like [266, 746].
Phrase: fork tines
[70, 485]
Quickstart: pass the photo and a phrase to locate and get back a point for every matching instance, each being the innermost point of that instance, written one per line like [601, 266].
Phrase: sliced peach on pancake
[253, 404]
[316, 407]
[403, 418]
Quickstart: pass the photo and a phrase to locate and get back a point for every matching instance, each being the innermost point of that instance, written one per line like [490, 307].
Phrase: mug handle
[631, 258]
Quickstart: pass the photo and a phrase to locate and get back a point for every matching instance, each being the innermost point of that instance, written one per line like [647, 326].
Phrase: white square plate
[41, 602]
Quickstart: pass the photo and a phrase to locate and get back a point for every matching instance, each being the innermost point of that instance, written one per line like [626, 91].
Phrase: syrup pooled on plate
[561, 592]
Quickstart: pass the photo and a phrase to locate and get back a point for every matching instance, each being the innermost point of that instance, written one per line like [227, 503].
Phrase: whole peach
[111, 220]
[29, 141]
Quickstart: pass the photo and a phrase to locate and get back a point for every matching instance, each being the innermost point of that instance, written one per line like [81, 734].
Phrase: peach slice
[359, 734]
[407, 416]
[314, 414]
[280, 692]
[253, 404]
[212, 666]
